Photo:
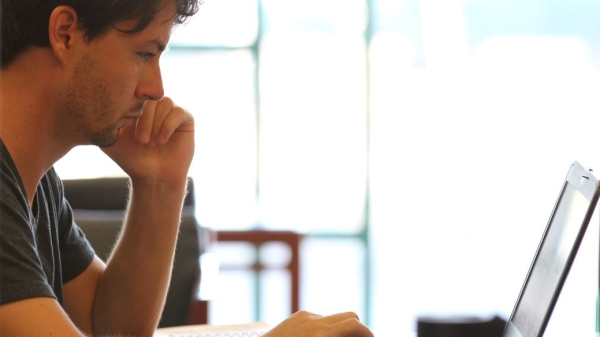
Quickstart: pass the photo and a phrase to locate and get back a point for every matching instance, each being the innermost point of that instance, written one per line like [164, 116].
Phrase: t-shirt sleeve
[76, 252]
[38, 255]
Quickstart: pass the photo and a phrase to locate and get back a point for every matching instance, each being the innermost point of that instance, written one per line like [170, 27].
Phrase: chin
[105, 140]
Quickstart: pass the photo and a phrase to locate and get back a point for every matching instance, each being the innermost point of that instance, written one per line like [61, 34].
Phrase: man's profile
[87, 72]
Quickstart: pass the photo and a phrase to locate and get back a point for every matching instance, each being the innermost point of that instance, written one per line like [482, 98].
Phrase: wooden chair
[260, 237]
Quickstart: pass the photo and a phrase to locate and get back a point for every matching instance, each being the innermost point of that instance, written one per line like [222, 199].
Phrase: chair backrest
[98, 207]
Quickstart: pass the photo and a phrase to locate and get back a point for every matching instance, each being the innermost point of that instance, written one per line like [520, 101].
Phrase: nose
[150, 86]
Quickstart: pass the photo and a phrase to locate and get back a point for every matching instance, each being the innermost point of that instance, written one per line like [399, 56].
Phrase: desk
[221, 330]
[258, 328]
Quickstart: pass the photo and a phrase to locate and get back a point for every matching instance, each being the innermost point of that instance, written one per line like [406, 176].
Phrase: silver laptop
[555, 254]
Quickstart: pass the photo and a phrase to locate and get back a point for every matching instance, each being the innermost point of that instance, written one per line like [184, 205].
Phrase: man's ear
[63, 31]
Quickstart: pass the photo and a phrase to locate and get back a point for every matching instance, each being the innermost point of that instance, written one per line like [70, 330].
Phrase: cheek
[124, 75]
[122, 67]
[128, 80]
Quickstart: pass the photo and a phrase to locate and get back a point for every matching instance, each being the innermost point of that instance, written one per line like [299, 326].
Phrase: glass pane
[313, 132]
[532, 17]
[332, 277]
[323, 16]
[234, 299]
[400, 19]
[218, 87]
[222, 23]
[313, 115]
[276, 300]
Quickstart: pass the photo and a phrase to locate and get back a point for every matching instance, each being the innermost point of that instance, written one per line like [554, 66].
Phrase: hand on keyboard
[304, 323]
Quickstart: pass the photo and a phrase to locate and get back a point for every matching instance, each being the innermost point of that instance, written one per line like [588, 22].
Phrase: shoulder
[53, 188]
[12, 190]
[13, 198]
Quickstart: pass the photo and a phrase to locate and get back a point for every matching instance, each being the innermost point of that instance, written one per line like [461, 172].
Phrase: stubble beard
[86, 103]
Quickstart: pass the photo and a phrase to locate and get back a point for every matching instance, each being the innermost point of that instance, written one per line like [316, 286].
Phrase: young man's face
[110, 79]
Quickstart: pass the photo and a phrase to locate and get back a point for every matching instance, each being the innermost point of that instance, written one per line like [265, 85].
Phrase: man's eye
[145, 56]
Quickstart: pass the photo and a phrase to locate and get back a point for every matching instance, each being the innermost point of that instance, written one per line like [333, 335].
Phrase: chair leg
[198, 312]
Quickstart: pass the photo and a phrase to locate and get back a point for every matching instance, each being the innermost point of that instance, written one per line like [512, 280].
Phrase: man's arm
[36, 317]
[132, 289]
[45, 317]
[80, 293]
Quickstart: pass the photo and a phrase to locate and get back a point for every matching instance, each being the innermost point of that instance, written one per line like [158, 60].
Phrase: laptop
[555, 254]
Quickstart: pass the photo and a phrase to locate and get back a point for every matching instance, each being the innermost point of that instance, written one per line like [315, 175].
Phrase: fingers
[302, 323]
[346, 324]
[143, 129]
[159, 120]
[351, 326]
[336, 318]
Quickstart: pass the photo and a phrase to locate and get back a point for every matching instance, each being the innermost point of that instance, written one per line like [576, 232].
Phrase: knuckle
[353, 315]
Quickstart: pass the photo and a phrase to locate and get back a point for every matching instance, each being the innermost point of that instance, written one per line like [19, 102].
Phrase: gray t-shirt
[41, 248]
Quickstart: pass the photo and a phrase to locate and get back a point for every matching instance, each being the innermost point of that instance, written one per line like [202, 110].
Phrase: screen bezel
[583, 181]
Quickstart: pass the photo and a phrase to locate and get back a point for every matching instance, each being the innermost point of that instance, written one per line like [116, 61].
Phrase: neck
[27, 119]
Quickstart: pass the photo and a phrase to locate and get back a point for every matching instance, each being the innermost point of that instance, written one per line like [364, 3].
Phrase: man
[87, 72]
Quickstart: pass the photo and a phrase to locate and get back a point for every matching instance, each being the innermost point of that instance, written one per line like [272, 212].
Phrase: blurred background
[418, 145]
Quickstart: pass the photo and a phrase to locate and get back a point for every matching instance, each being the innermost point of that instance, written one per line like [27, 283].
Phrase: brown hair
[24, 23]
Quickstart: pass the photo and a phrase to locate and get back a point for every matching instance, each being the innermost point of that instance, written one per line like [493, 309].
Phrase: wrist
[165, 190]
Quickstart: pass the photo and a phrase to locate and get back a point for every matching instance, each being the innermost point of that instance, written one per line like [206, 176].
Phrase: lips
[134, 114]
[128, 120]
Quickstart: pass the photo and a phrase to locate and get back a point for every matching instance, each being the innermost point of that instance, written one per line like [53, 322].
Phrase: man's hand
[304, 323]
[159, 147]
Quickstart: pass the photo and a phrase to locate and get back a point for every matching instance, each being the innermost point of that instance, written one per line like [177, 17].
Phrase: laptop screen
[554, 256]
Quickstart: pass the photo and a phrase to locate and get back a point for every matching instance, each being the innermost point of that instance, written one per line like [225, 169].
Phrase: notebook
[255, 329]
[555, 254]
